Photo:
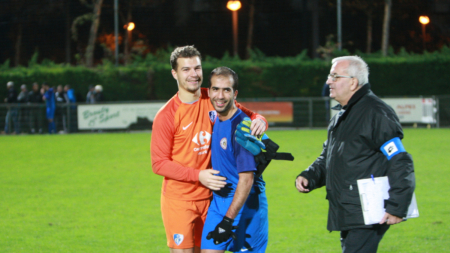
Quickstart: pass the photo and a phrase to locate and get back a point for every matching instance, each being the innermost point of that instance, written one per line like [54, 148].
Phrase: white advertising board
[114, 116]
[409, 110]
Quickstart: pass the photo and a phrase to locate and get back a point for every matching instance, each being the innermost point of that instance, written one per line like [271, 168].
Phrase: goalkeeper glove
[246, 140]
[223, 231]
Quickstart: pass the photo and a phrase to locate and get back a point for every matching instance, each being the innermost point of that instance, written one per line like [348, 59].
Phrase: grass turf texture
[97, 193]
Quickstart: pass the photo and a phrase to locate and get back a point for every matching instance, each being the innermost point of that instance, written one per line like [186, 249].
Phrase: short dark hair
[183, 52]
[226, 72]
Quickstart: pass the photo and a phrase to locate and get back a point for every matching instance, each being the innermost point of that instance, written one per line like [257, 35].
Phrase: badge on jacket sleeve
[392, 148]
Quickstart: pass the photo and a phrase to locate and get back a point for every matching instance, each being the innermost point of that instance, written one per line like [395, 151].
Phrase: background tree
[369, 8]
[25, 13]
[251, 18]
[386, 24]
[97, 8]
[94, 18]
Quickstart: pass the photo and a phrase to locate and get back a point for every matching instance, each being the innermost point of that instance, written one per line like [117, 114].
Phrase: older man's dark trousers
[364, 240]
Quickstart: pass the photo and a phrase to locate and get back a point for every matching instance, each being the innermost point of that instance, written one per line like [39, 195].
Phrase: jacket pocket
[351, 204]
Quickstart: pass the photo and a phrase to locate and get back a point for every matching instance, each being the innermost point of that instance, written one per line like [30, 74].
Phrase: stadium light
[234, 6]
[424, 20]
[130, 26]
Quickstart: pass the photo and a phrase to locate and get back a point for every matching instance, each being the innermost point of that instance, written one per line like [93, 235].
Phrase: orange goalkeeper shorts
[183, 221]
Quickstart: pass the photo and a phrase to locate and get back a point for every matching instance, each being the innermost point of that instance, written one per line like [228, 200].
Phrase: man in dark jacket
[355, 149]
[36, 111]
[13, 110]
[22, 99]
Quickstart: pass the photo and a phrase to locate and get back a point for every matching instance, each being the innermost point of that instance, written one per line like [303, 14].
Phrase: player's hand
[258, 127]
[390, 219]
[223, 231]
[301, 184]
[210, 180]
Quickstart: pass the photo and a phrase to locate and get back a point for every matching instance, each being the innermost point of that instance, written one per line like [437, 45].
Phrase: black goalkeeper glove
[222, 231]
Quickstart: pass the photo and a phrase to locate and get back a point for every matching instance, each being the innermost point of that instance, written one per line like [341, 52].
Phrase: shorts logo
[223, 143]
[212, 116]
[390, 148]
[178, 238]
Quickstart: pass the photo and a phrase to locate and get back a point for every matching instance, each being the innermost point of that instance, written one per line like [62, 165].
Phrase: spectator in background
[12, 114]
[70, 94]
[98, 93]
[72, 116]
[59, 94]
[60, 110]
[326, 94]
[90, 97]
[35, 115]
[49, 98]
[22, 99]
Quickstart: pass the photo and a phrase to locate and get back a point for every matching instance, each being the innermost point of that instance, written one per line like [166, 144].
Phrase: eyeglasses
[335, 76]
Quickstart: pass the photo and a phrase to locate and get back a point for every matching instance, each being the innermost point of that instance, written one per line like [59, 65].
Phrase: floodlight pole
[339, 25]
[116, 31]
[234, 6]
[424, 20]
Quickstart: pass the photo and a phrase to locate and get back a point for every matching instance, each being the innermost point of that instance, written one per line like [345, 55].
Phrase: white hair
[98, 87]
[357, 68]
[10, 84]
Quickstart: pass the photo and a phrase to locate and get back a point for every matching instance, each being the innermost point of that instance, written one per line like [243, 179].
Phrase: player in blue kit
[242, 204]
[49, 98]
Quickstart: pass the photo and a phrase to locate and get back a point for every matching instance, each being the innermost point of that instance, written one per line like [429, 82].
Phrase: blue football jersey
[230, 158]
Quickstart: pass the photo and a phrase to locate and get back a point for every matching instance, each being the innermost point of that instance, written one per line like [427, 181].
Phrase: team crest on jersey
[178, 238]
[223, 143]
[212, 116]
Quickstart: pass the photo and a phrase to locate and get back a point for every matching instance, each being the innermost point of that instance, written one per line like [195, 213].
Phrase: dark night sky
[282, 27]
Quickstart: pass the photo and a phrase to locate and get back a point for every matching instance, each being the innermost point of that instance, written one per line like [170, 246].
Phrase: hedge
[151, 79]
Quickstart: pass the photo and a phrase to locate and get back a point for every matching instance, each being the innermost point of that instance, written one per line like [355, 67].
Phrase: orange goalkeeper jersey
[180, 145]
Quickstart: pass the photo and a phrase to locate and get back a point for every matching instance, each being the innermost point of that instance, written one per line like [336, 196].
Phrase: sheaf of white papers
[372, 193]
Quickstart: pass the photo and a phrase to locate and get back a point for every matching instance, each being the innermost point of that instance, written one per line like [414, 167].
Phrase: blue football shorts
[252, 221]
[50, 112]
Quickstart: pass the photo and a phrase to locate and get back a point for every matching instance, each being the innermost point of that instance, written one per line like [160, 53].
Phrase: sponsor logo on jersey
[212, 116]
[223, 143]
[178, 238]
[202, 139]
[186, 127]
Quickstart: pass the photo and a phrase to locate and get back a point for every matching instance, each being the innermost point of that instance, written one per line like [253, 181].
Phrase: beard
[193, 87]
[225, 108]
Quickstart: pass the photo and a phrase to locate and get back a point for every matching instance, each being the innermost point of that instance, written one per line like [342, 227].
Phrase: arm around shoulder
[161, 152]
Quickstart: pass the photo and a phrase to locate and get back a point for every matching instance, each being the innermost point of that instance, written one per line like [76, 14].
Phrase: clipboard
[372, 193]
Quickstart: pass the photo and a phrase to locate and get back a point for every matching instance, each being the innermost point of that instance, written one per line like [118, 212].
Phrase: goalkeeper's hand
[246, 140]
[223, 231]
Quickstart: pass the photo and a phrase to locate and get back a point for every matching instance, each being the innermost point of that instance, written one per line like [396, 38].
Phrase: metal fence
[31, 118]
[307, 113]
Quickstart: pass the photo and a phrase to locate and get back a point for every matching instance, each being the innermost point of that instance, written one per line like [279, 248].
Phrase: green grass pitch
[97, 193]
